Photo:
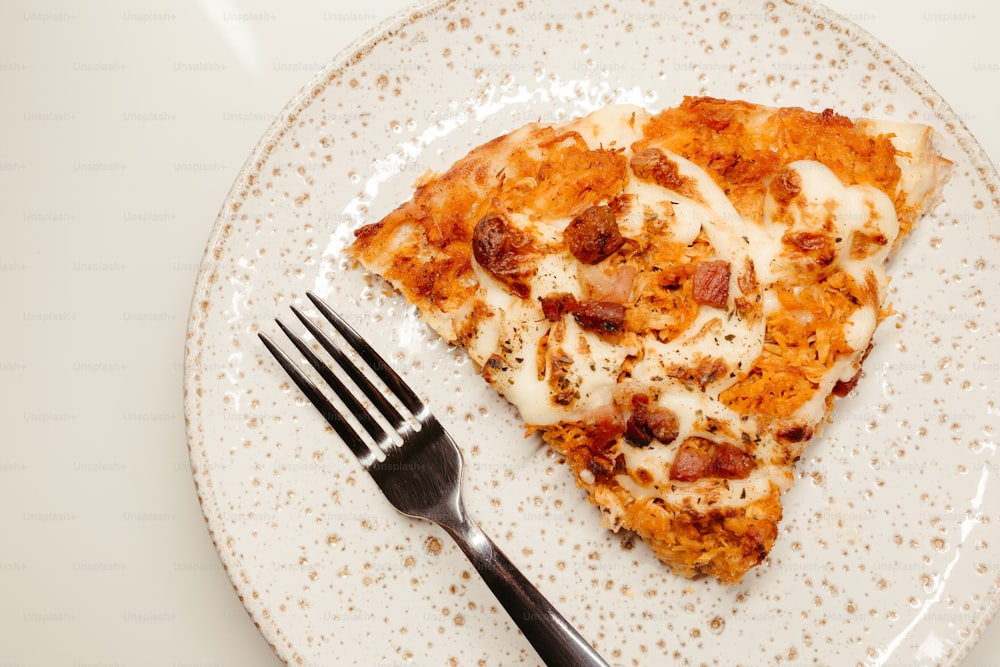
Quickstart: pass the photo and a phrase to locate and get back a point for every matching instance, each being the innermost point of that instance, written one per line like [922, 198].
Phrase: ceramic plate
[887, 552]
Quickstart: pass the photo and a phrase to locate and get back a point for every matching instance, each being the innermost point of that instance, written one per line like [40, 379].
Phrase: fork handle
[551, 635]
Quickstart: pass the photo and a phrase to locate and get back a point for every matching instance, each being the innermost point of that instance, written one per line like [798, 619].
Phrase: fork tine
[354, 406]
[387, 409]
[333, 417]
[371, 357]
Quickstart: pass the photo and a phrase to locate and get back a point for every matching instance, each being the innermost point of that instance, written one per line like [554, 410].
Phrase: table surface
[124, 125]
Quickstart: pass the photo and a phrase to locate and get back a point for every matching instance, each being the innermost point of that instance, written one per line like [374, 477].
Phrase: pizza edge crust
[724, 542]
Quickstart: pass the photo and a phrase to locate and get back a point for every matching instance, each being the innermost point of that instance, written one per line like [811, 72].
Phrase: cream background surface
[122, 127]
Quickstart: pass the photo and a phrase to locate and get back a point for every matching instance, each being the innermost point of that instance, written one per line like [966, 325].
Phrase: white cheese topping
[574, 372]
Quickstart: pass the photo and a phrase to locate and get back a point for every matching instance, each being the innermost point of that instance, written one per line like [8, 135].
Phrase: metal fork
[420, 472]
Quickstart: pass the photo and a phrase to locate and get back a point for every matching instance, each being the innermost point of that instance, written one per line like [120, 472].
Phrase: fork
[420, 472]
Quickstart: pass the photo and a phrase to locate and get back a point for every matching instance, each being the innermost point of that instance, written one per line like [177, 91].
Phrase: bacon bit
[711, 283]
[604, 426]
[594, 235]
[731, 462]
[690, 464]
[554, 306]
[595, 451]
[591, 314]
[601, 316]
[664, 425]
[698, 458]
[504, 252]
[637, 431]
[785, 186]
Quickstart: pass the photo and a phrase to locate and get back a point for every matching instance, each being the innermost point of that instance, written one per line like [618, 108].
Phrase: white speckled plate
[888, 550]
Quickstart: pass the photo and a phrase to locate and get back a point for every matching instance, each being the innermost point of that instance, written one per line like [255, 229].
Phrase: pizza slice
[671, 300]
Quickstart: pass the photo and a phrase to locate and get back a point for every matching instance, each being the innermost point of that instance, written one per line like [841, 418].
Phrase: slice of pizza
[673, 300]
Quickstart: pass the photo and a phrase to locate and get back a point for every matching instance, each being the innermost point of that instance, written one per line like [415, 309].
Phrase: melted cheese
[613, 126]
[592, 367]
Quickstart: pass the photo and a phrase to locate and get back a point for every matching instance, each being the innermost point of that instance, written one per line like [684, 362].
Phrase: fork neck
[481, 551]
[451, 515]
[553, 638]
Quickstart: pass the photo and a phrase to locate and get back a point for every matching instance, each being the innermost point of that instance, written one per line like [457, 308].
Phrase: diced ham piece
[602, 316]
[725, 460]
[554, 306]
[690, 464]
[731, 462]
[646, 423]
[711, 283]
